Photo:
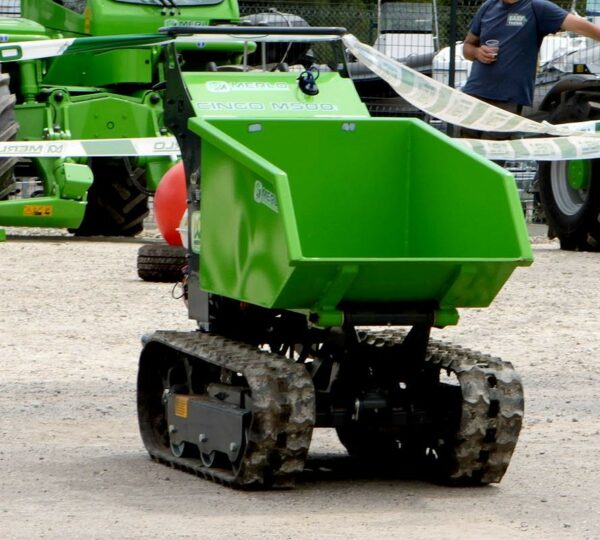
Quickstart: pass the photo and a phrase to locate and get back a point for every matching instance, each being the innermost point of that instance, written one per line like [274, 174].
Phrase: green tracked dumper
[324, 245]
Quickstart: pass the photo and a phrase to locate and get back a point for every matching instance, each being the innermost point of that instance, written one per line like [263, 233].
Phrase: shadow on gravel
[339, 467]
[133, 480]
[334, 468]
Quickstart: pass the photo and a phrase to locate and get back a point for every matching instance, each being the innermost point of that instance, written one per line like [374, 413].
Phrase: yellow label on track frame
[181, 406]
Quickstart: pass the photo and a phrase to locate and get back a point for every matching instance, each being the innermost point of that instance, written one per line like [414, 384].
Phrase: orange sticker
[181, 406]
[38, 210]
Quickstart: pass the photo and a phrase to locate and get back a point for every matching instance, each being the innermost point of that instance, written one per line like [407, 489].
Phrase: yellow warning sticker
[181, 406]
[87, 20]
[39, 210]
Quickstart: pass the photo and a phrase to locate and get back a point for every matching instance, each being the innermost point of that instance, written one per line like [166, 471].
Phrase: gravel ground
[72, 464]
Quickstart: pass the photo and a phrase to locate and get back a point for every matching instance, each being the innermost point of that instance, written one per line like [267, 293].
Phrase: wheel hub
[578, 174]
[569, 185]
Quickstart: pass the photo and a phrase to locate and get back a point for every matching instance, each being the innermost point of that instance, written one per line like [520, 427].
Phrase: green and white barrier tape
[149, 146]
[538, 149]
[443, 102]
[570, 141]
[48, 48]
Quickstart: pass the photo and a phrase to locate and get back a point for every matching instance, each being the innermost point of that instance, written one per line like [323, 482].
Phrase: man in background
[503, 42]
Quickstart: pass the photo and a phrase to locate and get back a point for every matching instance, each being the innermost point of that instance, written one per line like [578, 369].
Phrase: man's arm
[474, 50]
[581, 26]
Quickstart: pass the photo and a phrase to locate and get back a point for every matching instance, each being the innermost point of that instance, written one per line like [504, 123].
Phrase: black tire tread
[161, 263]
[477, 450]
[580, 232]
[115, 205]
[8, 132]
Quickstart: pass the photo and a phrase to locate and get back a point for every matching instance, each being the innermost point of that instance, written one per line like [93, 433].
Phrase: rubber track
[283, 413]
[492, 407]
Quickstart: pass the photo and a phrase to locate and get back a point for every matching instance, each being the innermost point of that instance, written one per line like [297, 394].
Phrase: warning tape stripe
[571, 141]
[445, 103]
[538, 149]
[425, 93]
[33, 50]
[147, 146]
[48, 48]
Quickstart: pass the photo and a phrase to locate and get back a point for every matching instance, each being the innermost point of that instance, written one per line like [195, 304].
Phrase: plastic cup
[493, 44]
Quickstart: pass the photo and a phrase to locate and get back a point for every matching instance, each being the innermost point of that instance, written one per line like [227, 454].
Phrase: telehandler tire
[570, 190]
[161, 263]
[116, 206]
[8, 132]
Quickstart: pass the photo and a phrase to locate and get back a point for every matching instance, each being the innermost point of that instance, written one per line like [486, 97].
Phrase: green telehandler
[323, 247]
[105, 94]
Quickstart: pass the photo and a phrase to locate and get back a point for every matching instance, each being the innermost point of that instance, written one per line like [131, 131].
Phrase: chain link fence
[10, 8]
[358, 19]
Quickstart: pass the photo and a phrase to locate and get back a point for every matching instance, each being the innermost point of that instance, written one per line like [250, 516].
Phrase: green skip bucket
[305, 214]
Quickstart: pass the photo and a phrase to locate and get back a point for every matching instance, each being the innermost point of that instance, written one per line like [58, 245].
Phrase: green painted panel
[101, 69]
[32, 118]
[106, 116]
[107, 17]
[42, 212]
[20, 29]
[271, 95]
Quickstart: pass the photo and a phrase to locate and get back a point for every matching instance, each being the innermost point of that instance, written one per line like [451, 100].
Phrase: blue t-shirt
[519, 28]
